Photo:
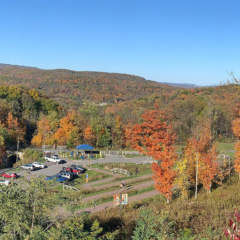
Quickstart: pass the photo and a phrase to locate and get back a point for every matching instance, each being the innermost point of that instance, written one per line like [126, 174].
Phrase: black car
[79, 168]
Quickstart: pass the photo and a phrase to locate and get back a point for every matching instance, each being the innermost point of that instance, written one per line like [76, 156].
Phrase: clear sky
[190, 41]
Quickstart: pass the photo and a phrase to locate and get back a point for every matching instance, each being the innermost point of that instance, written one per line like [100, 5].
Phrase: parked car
[62, 161]
[61, 179]
[78, 168]
[55, 159]
[9, 175]
[57, 177]
[66, 174]
[72, 170]
[28, 167]
[5, 182]
[38, 165]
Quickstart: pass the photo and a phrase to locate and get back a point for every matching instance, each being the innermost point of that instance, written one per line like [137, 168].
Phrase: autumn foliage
[154, 137]
[43, 135]
[89, 135]
[200, 152]
[236, 131]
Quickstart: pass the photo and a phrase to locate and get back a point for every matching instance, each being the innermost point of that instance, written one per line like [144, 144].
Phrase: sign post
[124, 199]
[120, 199]
[116, 199]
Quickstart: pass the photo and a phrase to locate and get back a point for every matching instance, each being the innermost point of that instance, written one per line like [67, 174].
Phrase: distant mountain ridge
[75, 87]
[181, 85]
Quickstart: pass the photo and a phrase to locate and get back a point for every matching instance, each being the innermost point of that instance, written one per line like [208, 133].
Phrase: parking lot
[54, 168]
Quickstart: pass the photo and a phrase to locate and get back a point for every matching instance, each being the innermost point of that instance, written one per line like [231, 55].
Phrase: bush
[29, 156]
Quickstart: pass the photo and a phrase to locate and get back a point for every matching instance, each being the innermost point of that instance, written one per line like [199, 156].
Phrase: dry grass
[205, 217]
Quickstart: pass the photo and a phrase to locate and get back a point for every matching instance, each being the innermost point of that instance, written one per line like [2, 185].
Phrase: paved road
[118, 159]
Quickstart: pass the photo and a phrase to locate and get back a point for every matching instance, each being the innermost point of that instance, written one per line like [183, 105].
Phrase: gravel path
[108, 205]
[112, 192]
[113, 182]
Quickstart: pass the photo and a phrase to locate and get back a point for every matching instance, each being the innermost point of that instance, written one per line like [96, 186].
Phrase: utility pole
[196, 186]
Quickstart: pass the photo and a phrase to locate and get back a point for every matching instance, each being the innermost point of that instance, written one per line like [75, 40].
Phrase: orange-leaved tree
[43, 132]
[15, 128]
[154, 137]
[201, 154]
[89, 136]
[236, 131]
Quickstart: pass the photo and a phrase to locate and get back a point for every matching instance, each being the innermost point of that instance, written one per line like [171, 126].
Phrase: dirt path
[103, 181]
[103, 171]
[108, 205]
[111, 193]
[113, 182]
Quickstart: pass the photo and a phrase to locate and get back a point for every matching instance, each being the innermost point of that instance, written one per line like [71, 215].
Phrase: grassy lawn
[74, 206]
[135, 170]
[226, 148]
[132, 155]
[130, 193]
[92, 176]
[115, 187]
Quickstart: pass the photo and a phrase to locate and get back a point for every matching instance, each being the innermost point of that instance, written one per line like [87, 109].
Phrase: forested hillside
[186, 108]
[127, 97]
[20, 110]
[73, 88]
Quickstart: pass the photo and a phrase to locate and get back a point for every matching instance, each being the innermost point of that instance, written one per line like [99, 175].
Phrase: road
[119, 159]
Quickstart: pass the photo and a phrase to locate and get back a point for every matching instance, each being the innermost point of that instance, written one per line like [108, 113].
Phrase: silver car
[38, 165]
[28, 167]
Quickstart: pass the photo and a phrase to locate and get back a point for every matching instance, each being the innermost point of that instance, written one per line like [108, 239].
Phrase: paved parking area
[54, 168]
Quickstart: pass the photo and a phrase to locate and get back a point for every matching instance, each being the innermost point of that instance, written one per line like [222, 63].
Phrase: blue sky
[186, 41]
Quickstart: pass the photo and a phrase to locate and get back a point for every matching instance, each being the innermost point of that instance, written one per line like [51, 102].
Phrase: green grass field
[134, 169]
[226, 148]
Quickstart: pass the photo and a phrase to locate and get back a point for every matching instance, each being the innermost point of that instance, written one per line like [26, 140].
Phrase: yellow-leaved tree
[182, 180]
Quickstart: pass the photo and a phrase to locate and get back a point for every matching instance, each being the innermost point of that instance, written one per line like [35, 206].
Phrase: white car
[66, 174]
[5, 182]
[38, 165]
[54, 158]
[28, 167]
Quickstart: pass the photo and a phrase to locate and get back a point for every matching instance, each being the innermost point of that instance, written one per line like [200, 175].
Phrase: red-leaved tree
[154, 137]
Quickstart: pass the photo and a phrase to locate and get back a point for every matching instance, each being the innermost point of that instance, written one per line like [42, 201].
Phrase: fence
[120, 171]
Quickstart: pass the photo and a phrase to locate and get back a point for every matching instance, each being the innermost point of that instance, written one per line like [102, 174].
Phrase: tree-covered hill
[73, 88]
[187, 108]
[20, 109]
